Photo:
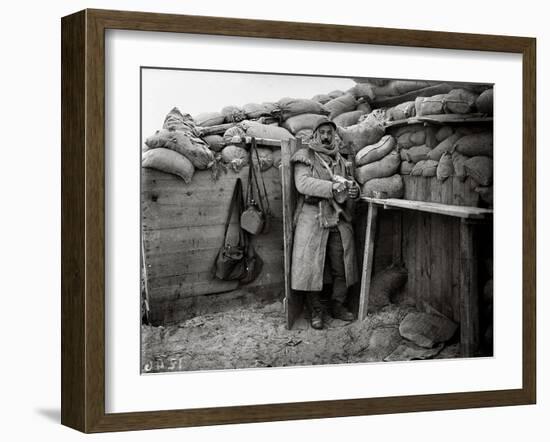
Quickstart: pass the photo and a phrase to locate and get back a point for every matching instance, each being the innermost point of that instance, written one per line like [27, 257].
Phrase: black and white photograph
[301, 220]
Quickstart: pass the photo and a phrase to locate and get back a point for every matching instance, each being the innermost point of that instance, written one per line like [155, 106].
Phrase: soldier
[323, 224]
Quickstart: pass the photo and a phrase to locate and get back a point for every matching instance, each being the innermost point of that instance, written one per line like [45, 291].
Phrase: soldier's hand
[353, 192]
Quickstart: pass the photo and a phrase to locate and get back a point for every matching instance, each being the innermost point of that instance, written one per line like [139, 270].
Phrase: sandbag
[194, 149]
[375, 152]
[445, 167]
[267, 131]
[235, 156]
[208, 119]
[460, 101]
[391, 187]
[425, 168]
[233, 114]
[458, 165]
[168, 161]
[289, 107]
[400, 87]
[363, 90]
[480, 168]
[234, 134]
[407, 129]
[406, 167]
[321, 98]
[176, 120]
[430, 105]
[486, 194]
[385, 167]
[417, 153]
[364, 107]
[443, 133]
[336, 93]
[303, 121]
[385, 285]
[215, 142]
[484, 103]
[269, 106]
[475, 144]
[417, 138]
[276, 154]
[367, 131]
[304, 134]
[255, 110]
[348, 118]
[401, 111]
[338, 106]
[266, 158]
[412, 138]
[445, 146]
[426, 329]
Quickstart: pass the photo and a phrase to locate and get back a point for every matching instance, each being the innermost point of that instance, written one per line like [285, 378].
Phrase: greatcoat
[310, 238]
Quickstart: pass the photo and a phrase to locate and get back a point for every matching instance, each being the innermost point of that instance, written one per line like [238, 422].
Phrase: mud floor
[256, 336]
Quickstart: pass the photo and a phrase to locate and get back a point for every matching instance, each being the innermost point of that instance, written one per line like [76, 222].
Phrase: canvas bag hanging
[229, 263]
[256, 217]
[240, 262]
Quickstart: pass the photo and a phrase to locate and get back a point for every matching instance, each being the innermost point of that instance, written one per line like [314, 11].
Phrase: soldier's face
[326, 134]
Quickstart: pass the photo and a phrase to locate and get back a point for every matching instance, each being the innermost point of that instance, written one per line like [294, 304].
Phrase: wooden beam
[469, 297]
[221, 128]
[425, 206]
[368, 258]
[292, 302]
[440, 120]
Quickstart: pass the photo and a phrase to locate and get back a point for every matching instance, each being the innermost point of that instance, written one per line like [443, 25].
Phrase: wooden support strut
[368, 259]
[469, 296]
[468, 272]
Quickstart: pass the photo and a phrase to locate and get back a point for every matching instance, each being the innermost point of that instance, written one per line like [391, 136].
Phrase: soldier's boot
[339, 311]
[315, 308]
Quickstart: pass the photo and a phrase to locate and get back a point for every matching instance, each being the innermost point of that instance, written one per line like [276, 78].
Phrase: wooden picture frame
[83, 220]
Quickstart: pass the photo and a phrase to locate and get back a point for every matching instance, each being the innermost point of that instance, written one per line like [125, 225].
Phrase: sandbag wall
[429, 151]
[452, 164]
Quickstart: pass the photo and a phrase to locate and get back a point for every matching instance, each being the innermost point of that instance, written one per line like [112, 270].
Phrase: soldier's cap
[324, 121]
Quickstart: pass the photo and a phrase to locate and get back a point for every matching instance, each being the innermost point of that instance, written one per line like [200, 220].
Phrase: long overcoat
[310, 238]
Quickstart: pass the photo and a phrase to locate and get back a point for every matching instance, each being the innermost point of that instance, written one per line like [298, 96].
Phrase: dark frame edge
[83, 236]
[73, 257]
[529, 219]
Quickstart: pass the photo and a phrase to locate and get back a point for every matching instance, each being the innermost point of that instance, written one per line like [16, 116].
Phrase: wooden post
[292, 302]
[368, 258]
[469, 298]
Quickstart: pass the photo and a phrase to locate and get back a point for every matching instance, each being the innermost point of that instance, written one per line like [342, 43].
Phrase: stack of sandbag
[377, 167]
[176, 148]
[460, 151]
[300, 116]
[473, 154]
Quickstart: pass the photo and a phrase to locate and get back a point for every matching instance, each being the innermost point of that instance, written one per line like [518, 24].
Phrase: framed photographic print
[268, 221]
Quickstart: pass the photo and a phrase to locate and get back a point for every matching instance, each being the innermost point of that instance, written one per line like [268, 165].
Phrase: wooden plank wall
[182, 227]
[430, 244]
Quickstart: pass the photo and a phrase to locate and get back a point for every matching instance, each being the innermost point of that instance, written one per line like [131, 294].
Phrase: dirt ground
[256, 336]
